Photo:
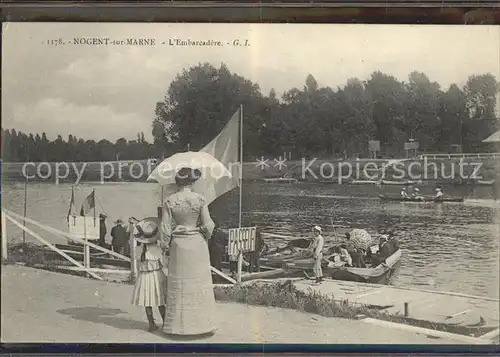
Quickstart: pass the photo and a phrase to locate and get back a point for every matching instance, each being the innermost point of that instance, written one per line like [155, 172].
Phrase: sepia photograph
[250, 183]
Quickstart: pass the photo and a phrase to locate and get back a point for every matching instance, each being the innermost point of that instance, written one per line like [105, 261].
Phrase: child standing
[151, 284]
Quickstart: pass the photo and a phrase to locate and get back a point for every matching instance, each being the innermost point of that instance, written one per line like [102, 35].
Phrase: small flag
[88, 204]
[72, 208]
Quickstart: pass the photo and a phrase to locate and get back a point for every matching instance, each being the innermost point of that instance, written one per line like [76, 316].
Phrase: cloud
[43, 86]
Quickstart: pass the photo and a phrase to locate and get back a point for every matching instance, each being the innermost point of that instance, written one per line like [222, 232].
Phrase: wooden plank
[29, 231]
[428, 332]
[97, 260]
[67, 235]
[95, 270]
[227, 277]
[263, 274]
[458, 314]
[491, 335]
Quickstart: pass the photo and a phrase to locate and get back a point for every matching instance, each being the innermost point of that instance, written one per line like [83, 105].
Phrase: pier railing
[487, 155]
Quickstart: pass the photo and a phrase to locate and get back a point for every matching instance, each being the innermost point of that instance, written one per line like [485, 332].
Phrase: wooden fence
[77, 266]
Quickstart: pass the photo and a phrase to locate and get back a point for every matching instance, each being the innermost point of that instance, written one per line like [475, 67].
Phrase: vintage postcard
[250, 183]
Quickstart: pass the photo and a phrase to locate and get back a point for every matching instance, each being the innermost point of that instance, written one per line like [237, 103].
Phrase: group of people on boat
[415, 195]
[350, 253]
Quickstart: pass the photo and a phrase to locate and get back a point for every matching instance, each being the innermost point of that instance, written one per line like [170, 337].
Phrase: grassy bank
[285, 295]
[442, 169]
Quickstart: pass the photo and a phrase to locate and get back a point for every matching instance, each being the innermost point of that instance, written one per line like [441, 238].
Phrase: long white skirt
[318, 271]
[150, 289]
[190, 296]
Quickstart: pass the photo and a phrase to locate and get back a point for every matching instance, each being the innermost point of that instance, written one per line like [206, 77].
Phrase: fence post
[4, 237]
[240, 266]
[133, 263]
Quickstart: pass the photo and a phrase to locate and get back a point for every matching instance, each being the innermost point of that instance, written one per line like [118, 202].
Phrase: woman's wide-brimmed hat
[147, 230]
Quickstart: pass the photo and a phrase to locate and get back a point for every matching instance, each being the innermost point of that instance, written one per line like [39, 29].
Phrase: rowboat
[400, 183]
[379, 274]
[295, 249]
[425, 199]
[485, 182]
[281, 180]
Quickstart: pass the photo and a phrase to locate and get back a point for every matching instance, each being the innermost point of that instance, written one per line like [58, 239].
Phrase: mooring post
[4, 237]
[133, 263]
[406, 309]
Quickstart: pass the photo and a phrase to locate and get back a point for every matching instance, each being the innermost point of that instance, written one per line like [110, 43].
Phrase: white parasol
[212, 170]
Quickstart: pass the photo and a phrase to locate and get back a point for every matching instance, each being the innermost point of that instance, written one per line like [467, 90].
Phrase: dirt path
[41, 306]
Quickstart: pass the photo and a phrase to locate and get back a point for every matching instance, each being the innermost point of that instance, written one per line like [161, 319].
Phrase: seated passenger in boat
[393, 242]
[355, 253]
[384, 251]
[416, 194]
[404, 194]
[344, 255]
[439, 195]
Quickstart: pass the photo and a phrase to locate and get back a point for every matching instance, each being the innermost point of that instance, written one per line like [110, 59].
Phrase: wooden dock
[432, 306]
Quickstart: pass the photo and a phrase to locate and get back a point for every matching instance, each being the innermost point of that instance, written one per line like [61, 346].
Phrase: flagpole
[25, 206]
[93, 192]
[241, 165]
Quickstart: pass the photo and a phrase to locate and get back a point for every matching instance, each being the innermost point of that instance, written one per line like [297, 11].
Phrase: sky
[97, 92]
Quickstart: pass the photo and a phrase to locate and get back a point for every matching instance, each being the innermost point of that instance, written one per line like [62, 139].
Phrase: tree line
[309, 121]
[21, 147]
[326, 122]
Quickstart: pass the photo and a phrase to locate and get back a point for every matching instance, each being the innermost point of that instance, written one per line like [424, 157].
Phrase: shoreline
[101, 312]
[320, 170]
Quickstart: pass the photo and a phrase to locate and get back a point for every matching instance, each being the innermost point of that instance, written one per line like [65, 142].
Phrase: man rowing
[439, 195]
[416, 195]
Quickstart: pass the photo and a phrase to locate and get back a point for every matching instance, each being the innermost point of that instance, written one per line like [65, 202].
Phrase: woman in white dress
[186, 228]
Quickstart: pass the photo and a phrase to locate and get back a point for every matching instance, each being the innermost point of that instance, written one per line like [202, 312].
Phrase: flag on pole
[88, 204]
[225, 149]
[72, 207]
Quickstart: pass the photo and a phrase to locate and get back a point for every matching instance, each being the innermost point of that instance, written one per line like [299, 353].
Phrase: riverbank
[452, 170]
[41, 306]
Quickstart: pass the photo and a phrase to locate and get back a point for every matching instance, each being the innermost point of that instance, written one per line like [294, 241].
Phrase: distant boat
[281, 180]
[364, 182]
[401, 183]
[426, 199]
[485, 182]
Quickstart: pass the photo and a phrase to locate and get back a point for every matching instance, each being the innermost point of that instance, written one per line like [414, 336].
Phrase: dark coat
[120, 236]
[102, 230]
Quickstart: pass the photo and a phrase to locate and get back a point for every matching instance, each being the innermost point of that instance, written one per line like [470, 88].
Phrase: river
[451, 246]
